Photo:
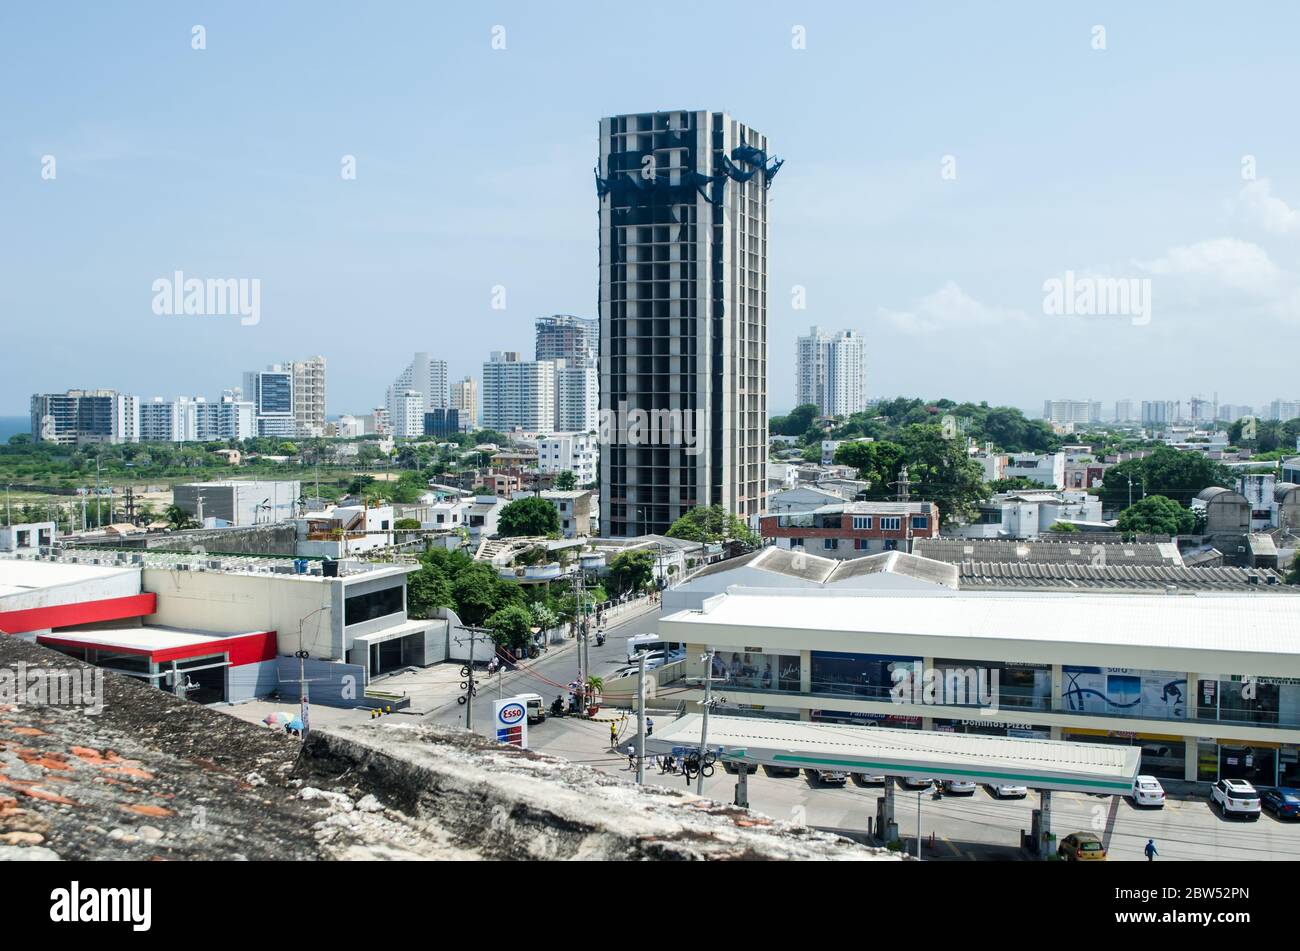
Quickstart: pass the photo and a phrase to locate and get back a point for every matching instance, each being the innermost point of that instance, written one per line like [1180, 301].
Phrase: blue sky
[474, 170]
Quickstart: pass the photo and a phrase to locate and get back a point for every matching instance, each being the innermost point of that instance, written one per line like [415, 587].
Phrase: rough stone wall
[157, 777]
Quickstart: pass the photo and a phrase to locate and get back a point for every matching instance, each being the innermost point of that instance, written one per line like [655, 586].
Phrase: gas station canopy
[1038, 764]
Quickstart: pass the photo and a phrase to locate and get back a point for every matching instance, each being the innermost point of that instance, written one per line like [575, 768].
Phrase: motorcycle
[600, 638]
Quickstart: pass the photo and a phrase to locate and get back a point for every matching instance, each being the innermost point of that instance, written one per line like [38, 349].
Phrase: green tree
[709, 524]
[427, 589]
[1173, 473]
[1156, 515]
[566, 481]
[631, 571]
[877, 463]
[177, 518]
[406, 524]
[796, 423]
[532, 515]
[511, 628]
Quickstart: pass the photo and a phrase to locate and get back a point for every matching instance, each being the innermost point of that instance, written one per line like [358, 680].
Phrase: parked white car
[959, 787]
[917, 782]
[1008, 791]
[1147, 791]
[1235, 797]
[867, 779]
[831, 777]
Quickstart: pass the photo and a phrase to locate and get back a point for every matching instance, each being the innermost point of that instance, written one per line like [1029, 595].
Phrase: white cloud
[949, 309]
[1258, 205]
[1226, 263]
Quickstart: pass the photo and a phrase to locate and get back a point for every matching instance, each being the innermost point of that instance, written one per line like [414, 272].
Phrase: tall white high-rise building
[830, 372]
[518, 394]
[577, 398]
[309, 395]
[407, 414]
[424, 375]
[683, 316]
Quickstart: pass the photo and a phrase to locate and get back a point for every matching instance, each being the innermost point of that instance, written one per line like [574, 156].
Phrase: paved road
[965, 828]
[549, 674]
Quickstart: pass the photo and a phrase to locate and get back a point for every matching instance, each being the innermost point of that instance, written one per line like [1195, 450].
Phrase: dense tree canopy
[1173, 473]
[709, 524]
[1157, 515]
[531, 515]
[938, 469]
[631, 571]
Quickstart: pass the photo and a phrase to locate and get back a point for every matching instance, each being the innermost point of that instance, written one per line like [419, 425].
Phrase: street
[551, 674]
[964, 828]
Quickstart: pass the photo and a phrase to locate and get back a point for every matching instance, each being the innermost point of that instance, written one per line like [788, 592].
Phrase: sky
[945, 163]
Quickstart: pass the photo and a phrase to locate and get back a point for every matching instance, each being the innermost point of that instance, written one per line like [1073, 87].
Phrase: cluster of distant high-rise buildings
[681, 333]
[1163, 412]
[283, 400]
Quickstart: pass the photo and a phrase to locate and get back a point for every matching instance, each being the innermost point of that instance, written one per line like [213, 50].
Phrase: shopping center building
[1207, 684]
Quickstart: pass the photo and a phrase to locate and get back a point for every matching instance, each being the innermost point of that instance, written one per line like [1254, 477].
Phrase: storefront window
[1025, 686]
[751, 670]
[862, 676]
[1256, 765]
[1288, 766]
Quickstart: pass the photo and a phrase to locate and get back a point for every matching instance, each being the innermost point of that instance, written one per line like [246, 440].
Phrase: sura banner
[1154, 694]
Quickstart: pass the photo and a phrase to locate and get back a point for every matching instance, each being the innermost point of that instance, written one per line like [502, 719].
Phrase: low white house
[1031, 514]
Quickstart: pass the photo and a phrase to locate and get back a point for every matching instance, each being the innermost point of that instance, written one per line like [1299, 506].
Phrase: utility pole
[704, 727]
[468, 684]
[918, 825]
[640, 718]
[304, 706]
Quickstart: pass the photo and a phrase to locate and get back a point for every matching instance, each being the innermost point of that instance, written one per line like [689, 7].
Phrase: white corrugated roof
[1041, 764]
[1251, 624]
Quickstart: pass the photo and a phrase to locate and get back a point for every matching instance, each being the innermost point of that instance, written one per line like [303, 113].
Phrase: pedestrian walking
[613, 736]
[1150, 850]
[649, 727]
[631, 756]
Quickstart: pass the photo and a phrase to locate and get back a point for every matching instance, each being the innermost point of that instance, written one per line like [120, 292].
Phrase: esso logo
[512, 713]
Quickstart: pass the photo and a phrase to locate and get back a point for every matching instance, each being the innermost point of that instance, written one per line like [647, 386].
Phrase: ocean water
[9, 425]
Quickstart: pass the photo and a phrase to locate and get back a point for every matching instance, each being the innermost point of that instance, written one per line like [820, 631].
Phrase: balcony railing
[1021, 700]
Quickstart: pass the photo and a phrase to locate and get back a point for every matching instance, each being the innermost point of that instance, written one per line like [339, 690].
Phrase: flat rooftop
[20, 575]
[139, 639]
[1244, 624]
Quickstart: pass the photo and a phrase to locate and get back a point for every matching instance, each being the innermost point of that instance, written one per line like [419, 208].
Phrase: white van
[649, 642]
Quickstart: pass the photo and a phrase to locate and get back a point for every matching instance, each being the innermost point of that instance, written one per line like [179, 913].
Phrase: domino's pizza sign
[511, 719]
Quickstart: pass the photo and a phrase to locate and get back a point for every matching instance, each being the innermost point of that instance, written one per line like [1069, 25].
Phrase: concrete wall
[224, 602]
[249, 681]
[331, 684]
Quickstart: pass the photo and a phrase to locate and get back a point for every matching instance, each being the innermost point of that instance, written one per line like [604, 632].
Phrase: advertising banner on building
[1154, 694]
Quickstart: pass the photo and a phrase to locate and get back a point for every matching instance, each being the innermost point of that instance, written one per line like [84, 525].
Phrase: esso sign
[512, 713]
